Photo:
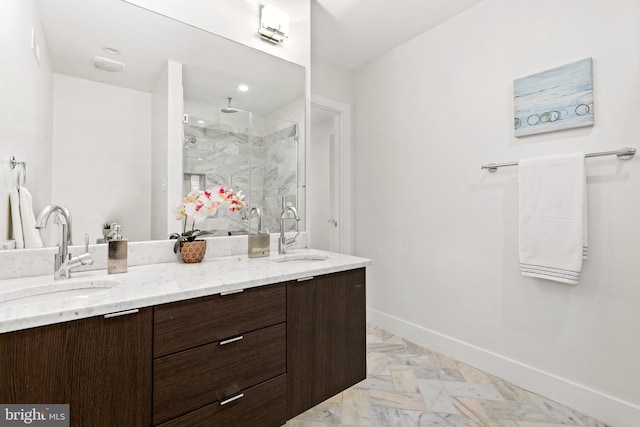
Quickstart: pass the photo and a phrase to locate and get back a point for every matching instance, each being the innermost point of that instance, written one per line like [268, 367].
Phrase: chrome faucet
[283, 242]
[63, 263]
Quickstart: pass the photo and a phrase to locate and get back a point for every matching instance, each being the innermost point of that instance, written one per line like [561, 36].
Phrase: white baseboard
[609, 409]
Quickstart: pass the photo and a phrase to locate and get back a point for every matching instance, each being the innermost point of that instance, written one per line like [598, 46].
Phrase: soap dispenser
[259, 243]
[117, 261]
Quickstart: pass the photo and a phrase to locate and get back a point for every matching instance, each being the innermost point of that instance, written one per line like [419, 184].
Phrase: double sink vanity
[231, 341]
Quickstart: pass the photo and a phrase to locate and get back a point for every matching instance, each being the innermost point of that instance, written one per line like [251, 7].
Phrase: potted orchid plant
[197, 206]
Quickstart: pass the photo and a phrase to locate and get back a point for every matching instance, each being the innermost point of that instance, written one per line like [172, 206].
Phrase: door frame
[342, 170]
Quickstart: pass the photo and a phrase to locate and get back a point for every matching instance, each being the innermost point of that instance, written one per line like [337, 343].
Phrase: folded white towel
[14, 200]
[31, 235]
[552, 221]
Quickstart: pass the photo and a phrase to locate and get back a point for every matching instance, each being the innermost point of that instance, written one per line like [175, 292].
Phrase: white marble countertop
[153, 284]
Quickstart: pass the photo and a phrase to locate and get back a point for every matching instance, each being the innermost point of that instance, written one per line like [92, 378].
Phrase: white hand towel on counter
[31, 235]
[14, 200]
[552, 219]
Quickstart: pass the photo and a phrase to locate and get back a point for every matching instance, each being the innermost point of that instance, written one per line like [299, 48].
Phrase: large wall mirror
[106, 121]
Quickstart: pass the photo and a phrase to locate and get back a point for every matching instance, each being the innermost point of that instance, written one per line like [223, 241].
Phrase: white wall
[26, 89]
[175, 134]
[102, 141]
[331, 80]
[159, 138]
[166, 151]
[443, 234]
[332, 87]
[318, 183]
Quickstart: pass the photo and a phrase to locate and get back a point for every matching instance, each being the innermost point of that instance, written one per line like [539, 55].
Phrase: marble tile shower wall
[223, 157]
[257, 181]
[280, 175]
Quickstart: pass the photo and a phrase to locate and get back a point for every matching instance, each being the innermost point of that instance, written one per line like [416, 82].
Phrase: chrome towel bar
[22, 171]
[625, 153]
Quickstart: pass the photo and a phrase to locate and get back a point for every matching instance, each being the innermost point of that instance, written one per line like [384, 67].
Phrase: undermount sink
[309, 256]
[72, 288]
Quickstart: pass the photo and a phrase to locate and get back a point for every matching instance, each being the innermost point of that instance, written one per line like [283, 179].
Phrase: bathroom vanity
[256, 346]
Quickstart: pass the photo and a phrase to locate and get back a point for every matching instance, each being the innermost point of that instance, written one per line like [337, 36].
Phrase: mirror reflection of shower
[216, 153]
[189, 140]
[229, 108]
[253, 154]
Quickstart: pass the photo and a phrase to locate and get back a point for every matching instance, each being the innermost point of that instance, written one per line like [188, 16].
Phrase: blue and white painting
[556, 99]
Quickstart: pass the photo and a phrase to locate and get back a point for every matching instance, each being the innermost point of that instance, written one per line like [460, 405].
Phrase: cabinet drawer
[262, 405]
[194, 378]
[186, 324]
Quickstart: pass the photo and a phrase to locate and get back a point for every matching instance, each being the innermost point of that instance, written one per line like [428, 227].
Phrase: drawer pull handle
[231, 399]
[120, 313]
[302, 279]
[235, 291]
[230, 340]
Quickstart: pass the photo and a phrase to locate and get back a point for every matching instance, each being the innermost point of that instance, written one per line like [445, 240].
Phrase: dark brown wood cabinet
[258, 406]
[100, 366]
[252, 358]
[189, 323]
[214, 355]
[326, 337]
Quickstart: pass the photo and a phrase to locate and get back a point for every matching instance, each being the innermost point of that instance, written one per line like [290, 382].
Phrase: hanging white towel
[552, 220]
[31, 235]
[14, 200]
[585, 236]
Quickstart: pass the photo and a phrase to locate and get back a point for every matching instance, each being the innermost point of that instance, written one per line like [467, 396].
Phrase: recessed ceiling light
[109, 65]
[243, 88]
[111, 50]
[201, 122]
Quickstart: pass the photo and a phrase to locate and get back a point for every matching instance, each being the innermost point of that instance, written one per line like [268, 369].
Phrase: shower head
[229, 108]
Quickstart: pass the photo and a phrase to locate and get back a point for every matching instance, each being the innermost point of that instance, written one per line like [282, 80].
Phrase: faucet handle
[77, 261]
[82, 259]
[290, 241]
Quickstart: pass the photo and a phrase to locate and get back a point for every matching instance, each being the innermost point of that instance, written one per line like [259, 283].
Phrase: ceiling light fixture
[109, 65]
[274, 24]
[243, 88]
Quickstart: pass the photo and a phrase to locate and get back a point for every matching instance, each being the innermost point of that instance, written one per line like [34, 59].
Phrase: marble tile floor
[411, 386]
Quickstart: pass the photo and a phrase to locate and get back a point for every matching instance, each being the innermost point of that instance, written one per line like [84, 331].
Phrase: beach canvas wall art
[556, 99]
